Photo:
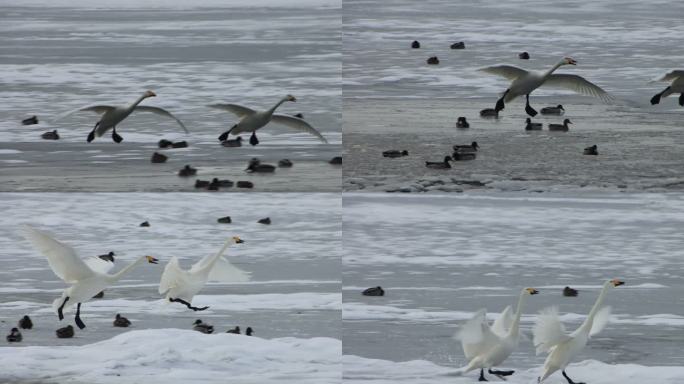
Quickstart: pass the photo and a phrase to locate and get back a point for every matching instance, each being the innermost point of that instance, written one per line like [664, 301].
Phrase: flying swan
[112, 116]
[87, 277]
[488, 347]
[676, 86]
[523, 82]
[550, 335]
[178, 285]
[251, 120]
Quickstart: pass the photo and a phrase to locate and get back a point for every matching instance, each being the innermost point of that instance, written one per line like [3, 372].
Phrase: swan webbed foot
[482, 377]
[500, 105]
[253, 139]
[187, 304]
[500, 373]
[61, 307]
[91, 136]
[116, 137]
[681, 99]
[79, 322]
[224, 136]
[655, 99]
[569, 379]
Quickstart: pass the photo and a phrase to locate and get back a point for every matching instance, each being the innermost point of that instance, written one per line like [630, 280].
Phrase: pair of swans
[488, 347]
[250, 120]
[87, 277]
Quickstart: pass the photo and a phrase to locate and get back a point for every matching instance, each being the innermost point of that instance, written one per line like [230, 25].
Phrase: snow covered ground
[293, 301]
[442, 257]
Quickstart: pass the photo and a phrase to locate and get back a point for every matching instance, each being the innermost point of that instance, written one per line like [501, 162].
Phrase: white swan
[178, 285]
[550, 335]
[524, 82]
[486, 347]
[676, 79]
[251, 120]
[112, 116]
[85, 276]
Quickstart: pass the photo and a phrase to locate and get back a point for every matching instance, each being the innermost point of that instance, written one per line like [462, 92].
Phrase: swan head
[568, 61]
[531, 291]
[616, 282]
[290, 98]
[150, 94]
[237, 240]
[151, 260]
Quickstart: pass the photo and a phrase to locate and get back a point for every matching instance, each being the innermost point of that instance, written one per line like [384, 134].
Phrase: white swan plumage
[251, 120]
[179, 285]
[523, 82]
[86, 277]
[488, 347]
[550, 335]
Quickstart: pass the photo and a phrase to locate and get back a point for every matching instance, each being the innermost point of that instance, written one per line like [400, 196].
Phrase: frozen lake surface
[441, 258]
[63, 55]
[294, 292]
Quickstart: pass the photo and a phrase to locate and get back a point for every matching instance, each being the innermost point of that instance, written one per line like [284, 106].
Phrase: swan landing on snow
[550, 335]
[488, 347]
[251, 120]
[180, 286]
[112, 116]
[86, 276]
[523, 82]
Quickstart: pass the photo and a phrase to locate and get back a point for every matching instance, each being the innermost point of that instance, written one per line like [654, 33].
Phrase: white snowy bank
[361, 370]
[178, 356]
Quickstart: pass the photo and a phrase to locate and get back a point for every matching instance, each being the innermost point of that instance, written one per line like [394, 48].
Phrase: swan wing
[578, 84]
[226, 272]
[503, 323]
[235, 109]
[162, 112]
[99, 109]
[548, 331]
[672, 75]
[98, 265]
[171, 277]
[600, 320]
[61, 257]
[298, 124]
[475, 335]
[508, 71]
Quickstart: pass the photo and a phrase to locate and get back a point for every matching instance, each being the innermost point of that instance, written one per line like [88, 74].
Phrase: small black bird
[375, 291]
[14, 336]
[65, 333]
[569, 292]
[249, 331]
[235, 330]
[121, 321]
[25, 323]
[202, 327]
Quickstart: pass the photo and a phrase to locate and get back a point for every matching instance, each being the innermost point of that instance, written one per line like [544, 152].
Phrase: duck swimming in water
[65, 333]
[557, 110]
[392, 153]
[232, 143]
[50, 135]
[439, 165]
[560, 127]
[120, 321]
[593, 150]
[14, 336]
[530, 126]
[199, 326]
[235, 330]
[25, 322]
[489, 113]
[462, 123]
[473, 147]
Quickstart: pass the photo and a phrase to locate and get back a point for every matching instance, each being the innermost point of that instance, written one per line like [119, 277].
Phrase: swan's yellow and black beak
[617, 283]
[532, 291]
[238, 240]
[151, 260]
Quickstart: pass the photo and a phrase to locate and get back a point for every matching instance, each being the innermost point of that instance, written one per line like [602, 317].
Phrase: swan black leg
[187, 304]
[115, 136]
[79, 322]
[253, 139]
[656, 99]
[681, 99]
[224, 135]
[91, 135]
[482, 378]
[500, 373]
[530, 111]
[61, 307]
[500, 103]
[569, 379]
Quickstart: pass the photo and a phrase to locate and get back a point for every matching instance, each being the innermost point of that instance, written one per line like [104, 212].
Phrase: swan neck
[270, 111]
[136, 102]
[115, 277]
[597, 305]
[550, 71]
[515, 326]
[207, 268]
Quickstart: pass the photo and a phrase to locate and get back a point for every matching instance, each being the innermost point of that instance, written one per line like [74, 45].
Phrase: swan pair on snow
[486, 347]
[89, 276]
[524, 82]
[250, 120]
